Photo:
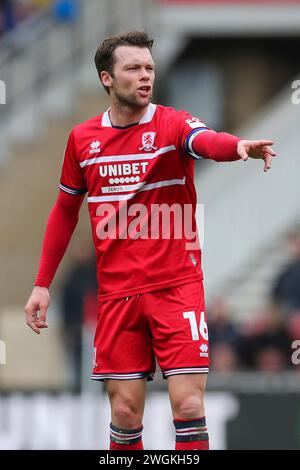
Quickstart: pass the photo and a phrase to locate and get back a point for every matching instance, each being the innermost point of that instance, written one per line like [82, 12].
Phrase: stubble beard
[131, 101]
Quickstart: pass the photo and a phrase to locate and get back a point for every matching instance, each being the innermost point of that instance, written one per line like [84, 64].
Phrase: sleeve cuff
[69, 190]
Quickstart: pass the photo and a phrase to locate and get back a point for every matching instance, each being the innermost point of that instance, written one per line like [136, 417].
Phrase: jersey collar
[146, 118]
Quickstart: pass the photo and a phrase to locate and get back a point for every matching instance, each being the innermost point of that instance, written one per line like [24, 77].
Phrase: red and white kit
[168, 324]
[142, 164]
[147, 284]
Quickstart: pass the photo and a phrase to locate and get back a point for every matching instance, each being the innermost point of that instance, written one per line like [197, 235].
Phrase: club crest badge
[148, 141]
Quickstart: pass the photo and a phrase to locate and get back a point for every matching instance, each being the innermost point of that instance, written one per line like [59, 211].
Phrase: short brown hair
[104, 58]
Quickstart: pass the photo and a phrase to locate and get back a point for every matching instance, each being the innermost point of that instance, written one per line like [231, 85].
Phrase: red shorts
[168, 325]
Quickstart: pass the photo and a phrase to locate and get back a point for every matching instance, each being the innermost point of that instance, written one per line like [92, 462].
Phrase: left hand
[259, 149]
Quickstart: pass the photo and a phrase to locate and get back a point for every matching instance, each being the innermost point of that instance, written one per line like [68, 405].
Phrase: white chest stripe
[146, 187]
[122, 158]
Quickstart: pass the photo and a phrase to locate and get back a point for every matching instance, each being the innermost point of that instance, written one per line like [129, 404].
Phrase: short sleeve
[189, 127]
[72, 180]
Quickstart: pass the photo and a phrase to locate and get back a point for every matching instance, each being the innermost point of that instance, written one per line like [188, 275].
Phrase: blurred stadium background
[235, 64]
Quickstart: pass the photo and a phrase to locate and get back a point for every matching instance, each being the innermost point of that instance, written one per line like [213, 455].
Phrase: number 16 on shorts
[195, 330]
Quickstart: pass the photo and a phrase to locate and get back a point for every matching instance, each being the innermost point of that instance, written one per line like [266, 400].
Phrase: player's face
[133, 76]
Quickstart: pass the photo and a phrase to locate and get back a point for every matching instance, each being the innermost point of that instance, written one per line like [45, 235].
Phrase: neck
[125, 115]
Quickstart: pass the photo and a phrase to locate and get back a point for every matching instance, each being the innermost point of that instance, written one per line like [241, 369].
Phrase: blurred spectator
[268, 346]
[270, 359]
[42, 3]
[224, 358]
[293, 325]
[224, 337]
[79, 303]
[14, 11]
[66, 10]
[286, 289]
[7, 15]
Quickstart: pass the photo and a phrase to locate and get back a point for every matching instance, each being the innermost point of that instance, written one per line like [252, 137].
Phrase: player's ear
[106, 78]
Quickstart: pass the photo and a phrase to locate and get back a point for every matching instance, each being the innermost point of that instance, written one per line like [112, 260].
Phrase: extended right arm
[61, 224]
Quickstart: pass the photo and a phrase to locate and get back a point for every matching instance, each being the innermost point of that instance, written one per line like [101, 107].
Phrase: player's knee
[189, 407]
[126, 413]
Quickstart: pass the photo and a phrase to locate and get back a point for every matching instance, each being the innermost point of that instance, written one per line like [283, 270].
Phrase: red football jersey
[141, 198]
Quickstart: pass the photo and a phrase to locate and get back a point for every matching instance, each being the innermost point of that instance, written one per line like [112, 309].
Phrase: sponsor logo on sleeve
[195, 122]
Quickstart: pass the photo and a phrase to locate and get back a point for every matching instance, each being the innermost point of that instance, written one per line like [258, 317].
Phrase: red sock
[137, 446]
[191, 434]
[125, 439]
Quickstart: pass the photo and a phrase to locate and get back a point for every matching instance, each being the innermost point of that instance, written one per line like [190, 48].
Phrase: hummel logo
[95, 147]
